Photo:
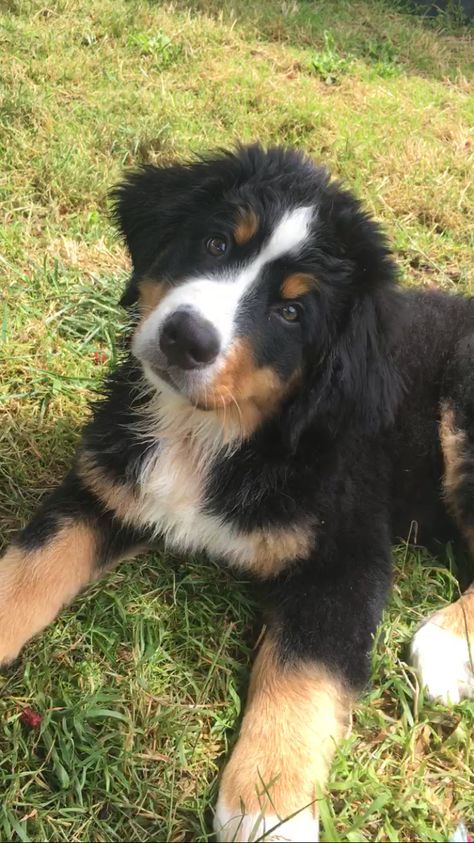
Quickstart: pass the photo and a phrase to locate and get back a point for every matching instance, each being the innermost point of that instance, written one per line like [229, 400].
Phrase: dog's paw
[231, 824]
[443, 661]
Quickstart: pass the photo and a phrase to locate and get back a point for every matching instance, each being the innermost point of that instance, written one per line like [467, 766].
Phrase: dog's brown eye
[289, 312]
[216, 246]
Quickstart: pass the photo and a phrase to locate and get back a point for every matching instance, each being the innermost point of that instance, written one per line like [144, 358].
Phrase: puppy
[284, 408]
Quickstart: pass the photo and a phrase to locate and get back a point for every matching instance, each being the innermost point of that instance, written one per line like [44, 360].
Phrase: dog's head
[262, 288]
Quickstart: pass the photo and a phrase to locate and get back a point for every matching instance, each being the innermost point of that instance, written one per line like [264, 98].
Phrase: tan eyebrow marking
[247, 226]
[297, 284]
[151, 293]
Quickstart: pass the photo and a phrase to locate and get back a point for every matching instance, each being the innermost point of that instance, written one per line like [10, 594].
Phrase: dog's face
[247, 270]
[224, 308]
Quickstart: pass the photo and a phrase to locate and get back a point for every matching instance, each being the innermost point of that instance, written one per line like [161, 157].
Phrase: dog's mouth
[197, 387]
[163, 375]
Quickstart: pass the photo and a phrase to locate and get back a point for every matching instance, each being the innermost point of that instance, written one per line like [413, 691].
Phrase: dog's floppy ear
[147, 209]
[154, 201]
[353, 377]
[356, 380]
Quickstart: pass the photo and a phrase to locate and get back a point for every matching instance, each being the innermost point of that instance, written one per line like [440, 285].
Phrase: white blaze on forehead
[218, 300]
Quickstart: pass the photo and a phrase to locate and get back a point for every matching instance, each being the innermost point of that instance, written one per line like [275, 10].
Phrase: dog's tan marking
[453, 445]
[118, 497]
[151, 293]
[247, 226]
[244, 391]
[297, 284]
[267, 552]
[295, 716]
[35, 585]
[458, 618]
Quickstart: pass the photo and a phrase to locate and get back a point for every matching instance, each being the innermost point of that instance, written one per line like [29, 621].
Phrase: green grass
[139, 681]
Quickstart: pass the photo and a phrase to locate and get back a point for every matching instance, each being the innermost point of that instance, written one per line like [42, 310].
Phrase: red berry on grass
[99, 357]
[30, 718]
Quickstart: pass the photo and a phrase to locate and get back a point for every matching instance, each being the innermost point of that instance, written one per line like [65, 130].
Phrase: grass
[139, 682]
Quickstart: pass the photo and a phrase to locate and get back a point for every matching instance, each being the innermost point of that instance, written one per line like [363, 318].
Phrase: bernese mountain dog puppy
[287, 410]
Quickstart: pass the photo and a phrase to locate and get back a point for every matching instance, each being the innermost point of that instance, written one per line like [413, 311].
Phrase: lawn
[139, 682]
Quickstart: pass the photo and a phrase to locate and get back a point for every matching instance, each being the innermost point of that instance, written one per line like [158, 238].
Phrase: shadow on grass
[388, 37]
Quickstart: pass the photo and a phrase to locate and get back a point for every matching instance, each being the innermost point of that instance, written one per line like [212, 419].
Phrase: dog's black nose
[188, 340]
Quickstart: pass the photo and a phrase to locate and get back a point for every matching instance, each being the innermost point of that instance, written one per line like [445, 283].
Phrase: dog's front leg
[70, 541]
[297, 713]
[313, 661]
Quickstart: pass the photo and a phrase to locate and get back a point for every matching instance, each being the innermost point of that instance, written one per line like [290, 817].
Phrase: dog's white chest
[171, 499]
[172, 487]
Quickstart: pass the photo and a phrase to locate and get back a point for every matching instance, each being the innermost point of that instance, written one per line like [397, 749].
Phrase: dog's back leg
[68, 543]
[443, 647]
[442, 651]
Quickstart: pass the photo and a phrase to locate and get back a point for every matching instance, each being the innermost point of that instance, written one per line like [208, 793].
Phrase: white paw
[233, 825]
[443, 662]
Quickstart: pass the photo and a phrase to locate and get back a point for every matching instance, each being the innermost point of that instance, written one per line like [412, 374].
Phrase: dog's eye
[216, 246]
[289, 312]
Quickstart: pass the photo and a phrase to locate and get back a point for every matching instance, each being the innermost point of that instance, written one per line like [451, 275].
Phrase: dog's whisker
[239, 411]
